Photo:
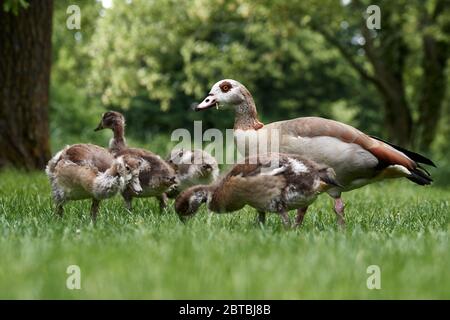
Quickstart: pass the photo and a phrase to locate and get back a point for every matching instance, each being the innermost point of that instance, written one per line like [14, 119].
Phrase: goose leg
[261, 217]
[163, 199]
[94, 209]
[339, 209]
[300, 215]
[285, 218]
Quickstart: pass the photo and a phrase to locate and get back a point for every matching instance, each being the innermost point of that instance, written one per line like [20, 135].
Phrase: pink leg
[300, 215]
[339, 209]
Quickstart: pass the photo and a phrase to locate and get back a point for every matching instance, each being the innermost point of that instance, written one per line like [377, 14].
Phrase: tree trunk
[25, 59]
[398, 119]
[388, 62]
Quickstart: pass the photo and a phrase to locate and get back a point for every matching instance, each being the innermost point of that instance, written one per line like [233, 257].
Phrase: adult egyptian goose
[156, 176]
[269, 182]
[83, 180]
[192, 167]
[357, 159]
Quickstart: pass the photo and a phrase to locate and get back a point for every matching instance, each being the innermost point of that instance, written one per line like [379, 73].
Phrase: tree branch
[346, 54]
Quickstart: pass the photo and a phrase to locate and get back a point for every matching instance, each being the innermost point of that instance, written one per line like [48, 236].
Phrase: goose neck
[246, 116]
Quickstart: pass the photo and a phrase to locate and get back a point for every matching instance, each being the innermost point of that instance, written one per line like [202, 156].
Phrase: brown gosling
[76, 181]
[265, 184]
[156, 176]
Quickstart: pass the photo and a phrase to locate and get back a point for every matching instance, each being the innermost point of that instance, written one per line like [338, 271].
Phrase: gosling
[269, 183]
[193, 167]
[156, 176]
[79, 180]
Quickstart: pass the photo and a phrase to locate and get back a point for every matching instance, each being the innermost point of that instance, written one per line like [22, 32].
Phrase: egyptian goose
[156, 176]
[269, 182]
[358, 159]
[192, 167]
[83, 180]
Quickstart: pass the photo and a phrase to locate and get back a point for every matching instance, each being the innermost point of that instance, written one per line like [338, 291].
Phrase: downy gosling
[81, 180]
[156, 176]
[192, 167]
[269, 183]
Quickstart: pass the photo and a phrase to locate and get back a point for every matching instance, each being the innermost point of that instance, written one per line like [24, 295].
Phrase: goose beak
[209, 102]
[99, 127]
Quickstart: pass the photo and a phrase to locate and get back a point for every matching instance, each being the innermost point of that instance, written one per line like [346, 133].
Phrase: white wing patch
[298, 166]
[272, 172]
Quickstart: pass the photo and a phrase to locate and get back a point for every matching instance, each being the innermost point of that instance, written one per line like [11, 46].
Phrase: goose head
[230, 93]
[225, 93]
[111, 120]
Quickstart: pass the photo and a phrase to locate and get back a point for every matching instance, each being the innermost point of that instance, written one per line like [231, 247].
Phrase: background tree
[405, 60]
[153, 60]
[25, 51]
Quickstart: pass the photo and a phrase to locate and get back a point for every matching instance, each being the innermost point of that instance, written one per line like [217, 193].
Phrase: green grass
[402, 228]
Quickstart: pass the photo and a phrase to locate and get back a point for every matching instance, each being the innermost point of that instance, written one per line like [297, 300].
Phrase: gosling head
[167, 175]
[190, 200]
[202, 164]
[128, 168]
[111, 120]
[177, 157]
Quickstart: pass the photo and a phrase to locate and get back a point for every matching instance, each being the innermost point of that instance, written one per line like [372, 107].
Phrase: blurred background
[152, 60]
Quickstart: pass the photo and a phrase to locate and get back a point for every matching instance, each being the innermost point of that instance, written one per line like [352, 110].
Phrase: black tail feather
[423, 169]
[420, 177]
[411, 154]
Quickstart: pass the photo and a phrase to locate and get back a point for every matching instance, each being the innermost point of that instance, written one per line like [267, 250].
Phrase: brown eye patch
[225, 86]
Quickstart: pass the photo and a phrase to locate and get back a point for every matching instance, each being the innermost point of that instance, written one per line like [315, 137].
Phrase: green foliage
[398, 226]
[154, 59]
[73, 112]
[14, 6]
[73, 117]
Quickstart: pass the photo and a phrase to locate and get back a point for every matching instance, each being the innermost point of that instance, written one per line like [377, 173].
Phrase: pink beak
[209, 102]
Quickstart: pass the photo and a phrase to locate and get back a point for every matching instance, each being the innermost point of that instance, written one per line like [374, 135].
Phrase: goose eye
[225, 87]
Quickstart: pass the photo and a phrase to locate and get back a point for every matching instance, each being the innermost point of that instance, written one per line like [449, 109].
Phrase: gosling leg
[163, 200]
[60, 209]
[285, 218]
[261, 217]
[94, 209]
[301, 212]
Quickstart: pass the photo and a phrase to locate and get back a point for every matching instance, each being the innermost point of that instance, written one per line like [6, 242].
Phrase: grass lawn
[401, 227]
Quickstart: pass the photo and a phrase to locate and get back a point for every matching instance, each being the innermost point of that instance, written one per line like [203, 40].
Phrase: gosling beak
[209, 102]
[99, 127]
[136, 187]
[174, 180]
